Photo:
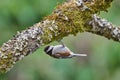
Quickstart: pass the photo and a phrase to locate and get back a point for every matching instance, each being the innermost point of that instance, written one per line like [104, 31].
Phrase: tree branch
[69, 18]
[104, 28]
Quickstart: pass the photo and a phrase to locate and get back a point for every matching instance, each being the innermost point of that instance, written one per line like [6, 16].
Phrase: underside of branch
[104, 28]
[69, 18]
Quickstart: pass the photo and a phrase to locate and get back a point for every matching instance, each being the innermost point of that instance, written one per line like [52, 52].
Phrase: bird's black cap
[46, 48]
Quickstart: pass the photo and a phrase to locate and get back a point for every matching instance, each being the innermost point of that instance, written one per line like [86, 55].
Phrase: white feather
[63, 49]
[60, 49]
[75, 55]
[49, 48]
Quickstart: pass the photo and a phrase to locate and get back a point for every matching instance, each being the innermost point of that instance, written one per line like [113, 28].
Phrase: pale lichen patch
[24, 43]
[103, 27]
[80, 3]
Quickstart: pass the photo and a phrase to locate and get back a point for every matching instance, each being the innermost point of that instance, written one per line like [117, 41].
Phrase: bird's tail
[78, 55]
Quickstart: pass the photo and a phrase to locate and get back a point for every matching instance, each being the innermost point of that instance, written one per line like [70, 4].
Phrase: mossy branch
[69, 18]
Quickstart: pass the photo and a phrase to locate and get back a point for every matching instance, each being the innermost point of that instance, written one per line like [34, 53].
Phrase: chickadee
[60, 52]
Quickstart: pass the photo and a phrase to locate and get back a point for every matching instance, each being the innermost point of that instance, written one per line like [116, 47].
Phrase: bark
[104, 28]
[69, 18]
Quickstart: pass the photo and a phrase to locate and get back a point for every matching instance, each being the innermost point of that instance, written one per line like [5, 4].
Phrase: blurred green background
[102, 62]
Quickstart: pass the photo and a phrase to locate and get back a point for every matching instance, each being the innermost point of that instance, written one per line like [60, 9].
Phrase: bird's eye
[46, 48]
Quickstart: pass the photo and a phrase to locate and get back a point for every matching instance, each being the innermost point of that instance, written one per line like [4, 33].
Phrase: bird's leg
[61, 43]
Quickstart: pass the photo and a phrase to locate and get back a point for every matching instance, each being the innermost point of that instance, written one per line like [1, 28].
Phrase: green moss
[77, 18]
[6, 63]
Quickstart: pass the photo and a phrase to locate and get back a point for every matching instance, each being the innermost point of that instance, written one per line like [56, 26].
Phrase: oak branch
[71, 17]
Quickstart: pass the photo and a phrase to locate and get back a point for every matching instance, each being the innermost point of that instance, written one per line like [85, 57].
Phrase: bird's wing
[61, 55]
[56, 55]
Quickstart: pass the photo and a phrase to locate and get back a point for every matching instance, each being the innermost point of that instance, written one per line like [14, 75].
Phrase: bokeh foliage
[102, 62]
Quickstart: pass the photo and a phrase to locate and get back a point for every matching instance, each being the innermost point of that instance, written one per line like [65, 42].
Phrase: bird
[61, 52]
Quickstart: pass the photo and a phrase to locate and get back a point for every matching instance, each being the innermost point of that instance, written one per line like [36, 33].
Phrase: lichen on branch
[104, 28]
[69, 18]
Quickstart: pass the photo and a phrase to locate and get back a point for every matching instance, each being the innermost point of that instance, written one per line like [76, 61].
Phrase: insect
[61, 52]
